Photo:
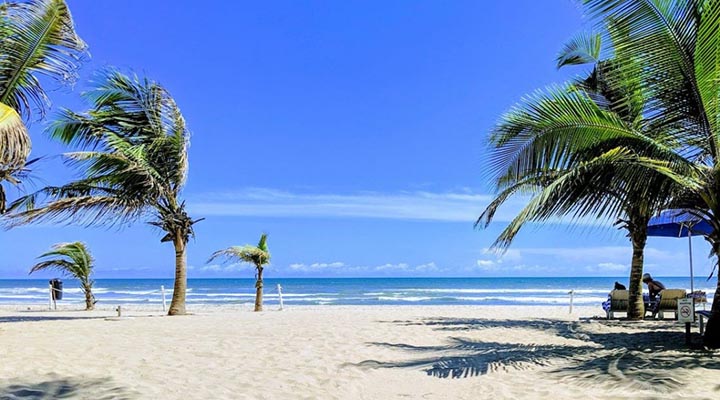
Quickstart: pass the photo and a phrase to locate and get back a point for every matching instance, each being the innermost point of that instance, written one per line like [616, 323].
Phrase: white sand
[339, 352]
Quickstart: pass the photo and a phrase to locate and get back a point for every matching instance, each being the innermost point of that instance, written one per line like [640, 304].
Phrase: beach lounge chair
[669, 301]
[702, 315]
[618, 302]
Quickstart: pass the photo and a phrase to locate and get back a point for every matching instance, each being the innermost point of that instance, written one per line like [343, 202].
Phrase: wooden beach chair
[669, 301]
[618, 302]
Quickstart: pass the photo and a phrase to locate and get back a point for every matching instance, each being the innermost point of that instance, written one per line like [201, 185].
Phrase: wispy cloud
[462, 206]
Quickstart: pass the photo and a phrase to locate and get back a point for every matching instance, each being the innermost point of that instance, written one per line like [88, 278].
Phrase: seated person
[606, 304]
[654, 287]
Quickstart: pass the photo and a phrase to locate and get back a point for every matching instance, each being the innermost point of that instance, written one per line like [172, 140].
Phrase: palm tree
[72, 259]
[133, 158]
[678, 45]
[259, 256]
[560, 146]
[37, 38]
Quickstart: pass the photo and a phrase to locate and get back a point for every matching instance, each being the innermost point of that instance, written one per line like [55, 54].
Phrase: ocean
[342, 291]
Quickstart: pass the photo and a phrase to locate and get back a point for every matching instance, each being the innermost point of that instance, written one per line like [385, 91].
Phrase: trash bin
[57, 286]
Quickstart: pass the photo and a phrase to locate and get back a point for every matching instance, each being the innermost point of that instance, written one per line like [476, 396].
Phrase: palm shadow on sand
[649, 356]
[38, 318]
[55, 387]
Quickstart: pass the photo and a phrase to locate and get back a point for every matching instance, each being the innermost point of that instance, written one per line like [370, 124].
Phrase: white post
[162, 290]
[571, 293]
[280, 296]
[50, 299]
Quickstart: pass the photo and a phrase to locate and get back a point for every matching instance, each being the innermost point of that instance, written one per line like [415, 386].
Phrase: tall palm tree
[678, 45]
[72, 259]
[259, 256]
[37, 38]
[133, 157]
[560, 147]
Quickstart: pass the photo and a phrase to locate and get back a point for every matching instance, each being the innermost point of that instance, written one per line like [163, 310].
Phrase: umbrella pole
[692, 277]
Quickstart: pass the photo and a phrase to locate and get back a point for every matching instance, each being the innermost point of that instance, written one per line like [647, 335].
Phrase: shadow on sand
[36, 318]
[54, 387]
[649, 356]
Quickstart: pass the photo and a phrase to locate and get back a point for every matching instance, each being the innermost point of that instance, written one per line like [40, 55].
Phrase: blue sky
[352, 132]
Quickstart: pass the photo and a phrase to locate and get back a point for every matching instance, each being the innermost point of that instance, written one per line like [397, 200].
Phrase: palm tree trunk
[177, 305]
[259, 290]
[712, 331]
[638, 237]
[89, 300]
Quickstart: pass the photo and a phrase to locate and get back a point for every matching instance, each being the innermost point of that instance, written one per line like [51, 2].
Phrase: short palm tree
[259, 256]
[133, 158]
[37, 38]
[71, 259]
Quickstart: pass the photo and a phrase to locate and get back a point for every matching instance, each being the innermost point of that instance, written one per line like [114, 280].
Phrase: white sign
[685, 310]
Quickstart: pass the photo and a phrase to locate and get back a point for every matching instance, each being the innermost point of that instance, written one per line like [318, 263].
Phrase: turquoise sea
[344, 291]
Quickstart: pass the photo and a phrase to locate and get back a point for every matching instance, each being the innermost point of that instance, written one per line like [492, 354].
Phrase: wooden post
[280, 296]
[162, 290]
[571, 293]
[50, 299]
[688, 340]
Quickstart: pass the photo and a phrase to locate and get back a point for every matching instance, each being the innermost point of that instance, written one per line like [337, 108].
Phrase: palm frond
[707, 64]
[72, 259]
[256, 255]
[586, 190]
[132, 156]
[584, 48]
[38, 39]
[14, 138]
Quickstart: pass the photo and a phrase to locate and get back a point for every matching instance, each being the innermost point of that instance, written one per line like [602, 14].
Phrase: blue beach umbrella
[679, 223]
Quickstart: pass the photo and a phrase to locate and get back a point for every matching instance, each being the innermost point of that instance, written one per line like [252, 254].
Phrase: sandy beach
[348, 352]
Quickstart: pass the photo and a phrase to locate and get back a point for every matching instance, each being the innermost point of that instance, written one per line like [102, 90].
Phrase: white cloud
[564, 261]
[613, 266]
[215, 268]
[211, 268]
[431, 266]
[451, 206]
[316, 266]
[392, 267]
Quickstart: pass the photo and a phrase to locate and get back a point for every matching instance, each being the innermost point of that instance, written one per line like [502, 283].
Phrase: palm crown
[258, 255]
[135, 158]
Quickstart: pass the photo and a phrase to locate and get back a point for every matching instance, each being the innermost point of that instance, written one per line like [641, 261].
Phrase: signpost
[686, 314]
[685, 310]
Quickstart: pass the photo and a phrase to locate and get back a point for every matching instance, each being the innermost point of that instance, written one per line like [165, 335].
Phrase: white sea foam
[406, 298]
[500, 290]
